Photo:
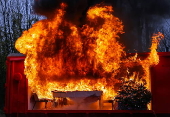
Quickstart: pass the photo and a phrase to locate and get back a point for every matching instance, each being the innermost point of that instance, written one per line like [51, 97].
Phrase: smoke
[77, 9]
[44, 7]
[75, 12]
[158, 7]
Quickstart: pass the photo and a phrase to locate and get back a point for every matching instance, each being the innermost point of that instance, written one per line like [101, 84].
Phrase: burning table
[79, 97]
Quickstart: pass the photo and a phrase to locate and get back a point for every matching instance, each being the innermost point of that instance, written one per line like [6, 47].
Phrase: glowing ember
[61, 56]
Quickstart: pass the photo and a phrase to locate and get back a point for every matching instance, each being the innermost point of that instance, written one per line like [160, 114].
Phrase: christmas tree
[133, 96]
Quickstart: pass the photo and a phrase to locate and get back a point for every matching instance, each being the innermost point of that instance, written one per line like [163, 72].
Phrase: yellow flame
[62, 56]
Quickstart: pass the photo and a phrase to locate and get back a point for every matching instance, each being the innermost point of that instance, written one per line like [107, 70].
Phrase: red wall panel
[16, 98]
[160, 79]
[16, 85]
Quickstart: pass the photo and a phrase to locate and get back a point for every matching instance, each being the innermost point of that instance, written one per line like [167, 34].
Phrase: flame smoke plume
[62, 56]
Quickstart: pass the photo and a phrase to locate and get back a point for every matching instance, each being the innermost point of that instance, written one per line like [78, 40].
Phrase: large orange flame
[62, 56]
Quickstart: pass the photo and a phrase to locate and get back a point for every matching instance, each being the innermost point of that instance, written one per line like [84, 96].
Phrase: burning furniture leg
[79, 97]
[36, 99]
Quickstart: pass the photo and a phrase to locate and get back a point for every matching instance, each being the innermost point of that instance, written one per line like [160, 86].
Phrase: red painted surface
[16, 98]
[160, 79]
[16, 85]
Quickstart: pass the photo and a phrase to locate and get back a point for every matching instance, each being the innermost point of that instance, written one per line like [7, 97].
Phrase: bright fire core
[62, 56]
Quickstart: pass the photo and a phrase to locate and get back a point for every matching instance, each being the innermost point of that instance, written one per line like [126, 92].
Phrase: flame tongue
[61, 56]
